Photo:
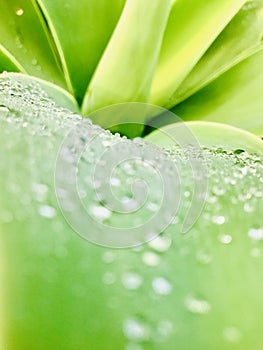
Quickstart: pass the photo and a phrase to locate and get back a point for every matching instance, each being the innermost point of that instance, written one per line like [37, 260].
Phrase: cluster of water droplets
[154, 275]
[235, 184]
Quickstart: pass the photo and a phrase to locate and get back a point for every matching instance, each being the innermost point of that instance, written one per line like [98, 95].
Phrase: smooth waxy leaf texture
[240, 39]
[176, 291]
[23, 34]
[208, 134]
[125, 71]
[8, 62]
[191, 29]
[234, 98]
[89, 25]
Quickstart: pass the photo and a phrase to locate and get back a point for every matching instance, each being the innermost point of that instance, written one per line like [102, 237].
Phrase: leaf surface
[124, 73]
[177, 291]
[81, 30]
[208, 134]
[24, 35]
[234, 98]
[191, 29]
[240, 39]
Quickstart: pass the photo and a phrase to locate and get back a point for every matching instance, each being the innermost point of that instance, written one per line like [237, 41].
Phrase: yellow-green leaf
[125, 71]
[208, 134]
[23, 34]
[81, 30]
[192, 27]
[239, 40]
[8, 62]
[234, 98]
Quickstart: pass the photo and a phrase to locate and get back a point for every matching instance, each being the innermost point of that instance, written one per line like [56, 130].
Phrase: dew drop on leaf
[108, 257]
[256, 234]
[232, 334]
[151, 259]
[197, 306]
[108, 277]
[160, 244]
[225, 238]
[19, 12]
[131, 280]
[161, 286]
[47, 211]
[135, 329]
[218, 220]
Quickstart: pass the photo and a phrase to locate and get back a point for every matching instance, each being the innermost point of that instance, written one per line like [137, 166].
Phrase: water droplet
[108, 257]
[219, 191]
[211, 199]
[100, 212]
[225, 239]
[232, 334]
[106, 143]
[115, 182]
[132, 281]
[34, 61]
[218, 220]
[187, 194]
[40, 191]
[19, 12]
[136, 330]
[161, 286]
[47, 211]
[256, 234]
[4, 111]
[197, 306]
[160, 243]
[248, 208]
[203, 257]
[152, 206]
[255, 252]
[108, 278]
[150, 259]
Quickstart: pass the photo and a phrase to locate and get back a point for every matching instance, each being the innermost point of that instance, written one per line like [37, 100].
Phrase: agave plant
[130, 66]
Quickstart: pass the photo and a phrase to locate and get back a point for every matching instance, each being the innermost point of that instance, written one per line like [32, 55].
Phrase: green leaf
[178, 291]
[125, 71]
[24, 36]
[208, 135]
[60, 96]
[240, 39]
[81, 30]
[192, 27]
[8, 62]
[234, 98]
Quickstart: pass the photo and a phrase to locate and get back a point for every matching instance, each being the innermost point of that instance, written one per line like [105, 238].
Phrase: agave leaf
[125, 71]
[23, 35]
[240, 39]
[191, 29]
[60, 96]
[184, 292]
[209, 135]
[234, 98]
[8, 62]
[81, 30]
